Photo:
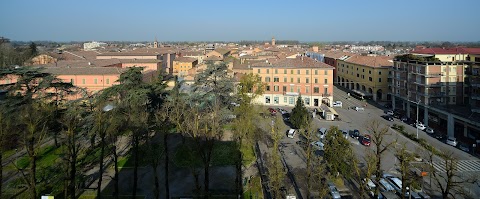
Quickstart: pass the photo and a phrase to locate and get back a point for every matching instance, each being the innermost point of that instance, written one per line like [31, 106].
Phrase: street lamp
[416, 125]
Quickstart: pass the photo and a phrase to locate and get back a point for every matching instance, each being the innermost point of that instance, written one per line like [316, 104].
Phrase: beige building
[288, 79]
[365, 76]
[181, 65]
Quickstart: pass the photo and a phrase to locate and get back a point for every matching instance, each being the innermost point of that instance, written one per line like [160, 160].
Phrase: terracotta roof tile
[85, 71]
[372, 61]
[298, 62]
[185, 59]
[456, 50]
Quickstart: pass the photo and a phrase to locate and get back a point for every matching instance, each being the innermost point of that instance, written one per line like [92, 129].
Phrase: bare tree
[276, 170]
[449, 181]
[378, 132]
[404, 159]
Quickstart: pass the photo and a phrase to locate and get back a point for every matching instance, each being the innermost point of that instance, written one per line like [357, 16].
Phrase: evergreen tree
[300, 117]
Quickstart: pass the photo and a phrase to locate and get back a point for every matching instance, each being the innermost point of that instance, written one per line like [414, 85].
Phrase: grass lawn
[254, 190]
[8, 153]
[46, 158]
[248, 154]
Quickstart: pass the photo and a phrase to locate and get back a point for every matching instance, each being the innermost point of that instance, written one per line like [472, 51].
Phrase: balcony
[475, 96]
[433, 94]
[433, 74]
[326, 95]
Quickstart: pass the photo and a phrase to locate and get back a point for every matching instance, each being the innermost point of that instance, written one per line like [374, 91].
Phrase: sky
[235, 20]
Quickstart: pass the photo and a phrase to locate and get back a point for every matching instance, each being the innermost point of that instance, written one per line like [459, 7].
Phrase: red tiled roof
[298, 62]
[457, 50]
[185, 59]
[372, 61]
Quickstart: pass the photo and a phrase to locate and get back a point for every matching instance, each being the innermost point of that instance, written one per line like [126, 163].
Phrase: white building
[93, 45]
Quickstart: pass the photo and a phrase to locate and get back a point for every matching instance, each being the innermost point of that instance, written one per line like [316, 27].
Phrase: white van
[291, 133]
[359, 108]
[337, 104]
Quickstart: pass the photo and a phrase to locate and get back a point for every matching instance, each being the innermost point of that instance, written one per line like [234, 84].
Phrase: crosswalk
[462, 166]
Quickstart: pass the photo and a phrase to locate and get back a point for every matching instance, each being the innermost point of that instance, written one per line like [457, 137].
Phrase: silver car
[429, 130]
[452, 141]
[334, 191]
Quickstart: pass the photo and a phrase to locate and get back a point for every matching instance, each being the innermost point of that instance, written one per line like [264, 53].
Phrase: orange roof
[372, 61]
[185, 59]
[298, 62]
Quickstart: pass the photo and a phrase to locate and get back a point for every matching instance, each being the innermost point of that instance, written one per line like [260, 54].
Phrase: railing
[326, 95]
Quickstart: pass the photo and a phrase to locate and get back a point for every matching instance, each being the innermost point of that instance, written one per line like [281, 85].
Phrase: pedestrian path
[462, 166]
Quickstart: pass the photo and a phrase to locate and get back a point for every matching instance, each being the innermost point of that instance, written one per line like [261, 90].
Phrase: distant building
[181, 65]
[273, 41]
[93, 45]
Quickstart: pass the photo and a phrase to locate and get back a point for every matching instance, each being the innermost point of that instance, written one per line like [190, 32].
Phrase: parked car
[272, 111]
[420, 126]
[321, 133]
[438, 136]
[282, 111]
[318, 145]
[365, 140]
[387, 117]
[337, 104]
[355, 134]
[387, 105]
[429, 130]
[291, 133]
[463, 147]
[452, 141]
[345, 133]
[333, 191]
[390, 112]
[359, 108]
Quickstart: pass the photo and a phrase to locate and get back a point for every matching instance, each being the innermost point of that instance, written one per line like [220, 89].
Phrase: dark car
[355, 134]
[438, 136]
[388, 105]
[365, 140]
[387, 117]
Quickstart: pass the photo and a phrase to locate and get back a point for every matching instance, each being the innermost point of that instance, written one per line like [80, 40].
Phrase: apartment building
[181, 65]
[366, 76]
[288, 79]
[443, 84]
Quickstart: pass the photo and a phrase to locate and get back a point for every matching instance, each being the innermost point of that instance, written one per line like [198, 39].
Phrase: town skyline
[236, 21]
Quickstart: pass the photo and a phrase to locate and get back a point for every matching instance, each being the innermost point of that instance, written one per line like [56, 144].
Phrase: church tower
[155, 43]
[273, 41]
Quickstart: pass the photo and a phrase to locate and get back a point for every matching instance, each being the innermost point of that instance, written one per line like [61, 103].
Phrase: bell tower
[273, 41]
[155, 43]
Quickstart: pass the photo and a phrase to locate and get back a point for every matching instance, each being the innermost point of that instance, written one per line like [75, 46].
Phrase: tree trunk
[135, 165]
[55, 139]
[165, 146]
[102, 153]
[33, 179]
[115, 162]
[1, 172]
[156, 191]
[238, 167]
[208, 153]
[73, 171]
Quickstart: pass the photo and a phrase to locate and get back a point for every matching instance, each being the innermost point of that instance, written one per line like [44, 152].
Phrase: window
[298, 80]
[258, 71]
[357, 68]
[379, 72]
[369, 72]
[260, 79]
[369, 78]
[298, 89]
[307, 89]
[267, 99]
[291, 80]
[284, 99]
[268, 71]
[316, 90]
[326, 72]
[267, 79]
[284, 71]
[275, 100]
[316, 81]
[325, 91]
[453, 99]
[267, 88]
[108, 81]
[276, 79]
[316, 72]
[291, 100]
[307, 101]
[291, 88]
[83, 81]
[291, 72]
[358, 75]
[326, 81]
[284, 79]
[71, 81]
[363, 70]
[306, 72]
[284, 88]
[95, 81]
[379, 79]
[307, 80]
[298, 72]
[275, 88]
[276, 71]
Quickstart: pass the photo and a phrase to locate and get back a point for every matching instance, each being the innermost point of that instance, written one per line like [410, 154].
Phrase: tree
[7, 132]
[404, 159]
[449, 181]
[299, 117]
[276, 170]
[378, 133]
[72, 135]
[249, 88]
[309, 152]
[338, 153]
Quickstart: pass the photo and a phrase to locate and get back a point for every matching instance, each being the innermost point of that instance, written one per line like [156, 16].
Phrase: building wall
[181, 68]
[364, 78]
[128, 56]
[148, 66]
[284, 85]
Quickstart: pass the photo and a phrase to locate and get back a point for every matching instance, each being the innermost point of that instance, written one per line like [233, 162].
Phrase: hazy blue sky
[233, 20]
